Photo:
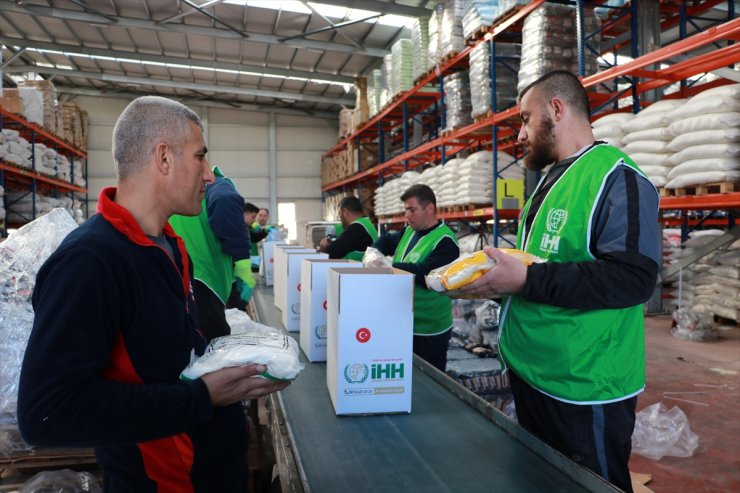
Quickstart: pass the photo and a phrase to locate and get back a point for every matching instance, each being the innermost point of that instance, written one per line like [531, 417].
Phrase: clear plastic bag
[486, 315]
[694, 325]
[240, 323]
[375, 258]
[278, 352]
[62, 481]
[661, 432]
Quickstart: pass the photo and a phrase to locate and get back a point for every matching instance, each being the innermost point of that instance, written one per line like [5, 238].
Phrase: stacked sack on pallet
[458, 107]
[609, 128]
[402, 67]
[2, 209]
[507, 69]
[420, 42]
[646, 139]
[388, 196]
[374, 89]
[474, 184]
[448, 181]
[549, 42]
[712, 284]
[15, 149]
[445, 31]
[21, 206]
[431, 178]
[705, 141]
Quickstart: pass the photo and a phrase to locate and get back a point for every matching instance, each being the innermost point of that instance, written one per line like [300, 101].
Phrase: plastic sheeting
[21, 256]
[507, 68]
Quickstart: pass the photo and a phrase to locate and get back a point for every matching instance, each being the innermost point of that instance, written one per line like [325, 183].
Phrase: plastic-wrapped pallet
[448, 179]
[434, 55]
[402, 67]
[387, 70]
[549, 42]
[21, 256]
[420, 42]
[646, 140]
[2, 201]
[457, 100]
[451, 38]
[478, 15]
[374, 88]
[705, 138]
[506, 77]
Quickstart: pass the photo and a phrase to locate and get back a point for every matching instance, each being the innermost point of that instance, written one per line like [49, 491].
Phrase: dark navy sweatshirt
[114, 326]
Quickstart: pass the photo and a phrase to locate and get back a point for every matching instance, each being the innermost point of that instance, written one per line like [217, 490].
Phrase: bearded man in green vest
[423, 245]
[572, 329]
[358, 232]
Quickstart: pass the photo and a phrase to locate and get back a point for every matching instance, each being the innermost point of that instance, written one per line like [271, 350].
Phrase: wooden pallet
[16, 469]
[703, 189]
[487, 114]
[483, 30]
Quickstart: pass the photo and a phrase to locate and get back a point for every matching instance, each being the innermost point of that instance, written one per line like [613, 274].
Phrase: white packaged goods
[478, 15]
[506, 77]
[374, 89]
[375, 258]
[278, 352]
[21, 256]
[291, 316]
[240, 323]
[714, 121]
[549, 42]
[32, 101]
[420, 43]
[457, 100]
[451, 32]
[717, 136]
[313, 304]
[369, 359]
[402, 67]
[281, 271]
[435, 28]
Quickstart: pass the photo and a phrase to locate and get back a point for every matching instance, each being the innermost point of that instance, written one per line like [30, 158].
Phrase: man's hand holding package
[508, 276]
[236, 383]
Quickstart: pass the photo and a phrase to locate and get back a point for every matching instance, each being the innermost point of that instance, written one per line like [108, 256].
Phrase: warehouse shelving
[14, 177]
[477, 134]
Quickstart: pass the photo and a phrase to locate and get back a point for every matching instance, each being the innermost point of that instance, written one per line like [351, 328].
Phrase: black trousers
[597, 436]
[433, 348]
[211, 314]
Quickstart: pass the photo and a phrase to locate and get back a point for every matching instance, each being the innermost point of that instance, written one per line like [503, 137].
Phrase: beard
[541, 151]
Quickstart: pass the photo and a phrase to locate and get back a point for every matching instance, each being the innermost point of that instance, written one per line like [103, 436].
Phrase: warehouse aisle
[708, 375]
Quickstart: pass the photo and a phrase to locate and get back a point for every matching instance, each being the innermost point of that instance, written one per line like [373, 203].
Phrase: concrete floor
[708, 375]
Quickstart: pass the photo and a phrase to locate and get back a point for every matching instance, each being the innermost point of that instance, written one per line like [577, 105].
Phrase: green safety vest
[211, 265]
[432, 310]
[370, 228]
[253, 251]
[577, 356]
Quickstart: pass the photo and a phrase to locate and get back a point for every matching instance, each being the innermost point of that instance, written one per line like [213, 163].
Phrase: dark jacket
[114, 326]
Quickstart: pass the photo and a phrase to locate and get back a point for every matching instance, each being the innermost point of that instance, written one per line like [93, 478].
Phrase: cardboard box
[370, 333]
[292, 303]
[10, 101]
[267, 259]
[313, 304]
[281, 271]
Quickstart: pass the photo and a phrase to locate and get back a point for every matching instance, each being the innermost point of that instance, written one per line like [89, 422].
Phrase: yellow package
[470, 267]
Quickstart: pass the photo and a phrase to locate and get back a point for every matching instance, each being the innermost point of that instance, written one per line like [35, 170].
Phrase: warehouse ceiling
[289, 56]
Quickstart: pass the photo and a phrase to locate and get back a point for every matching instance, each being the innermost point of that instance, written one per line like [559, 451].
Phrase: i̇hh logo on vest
[556, 219]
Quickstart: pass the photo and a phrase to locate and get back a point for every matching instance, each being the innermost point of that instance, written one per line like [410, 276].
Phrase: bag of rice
[278, 352]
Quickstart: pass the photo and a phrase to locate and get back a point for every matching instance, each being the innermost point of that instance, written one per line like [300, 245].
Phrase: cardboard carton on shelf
[291, 315]
[370, 330]
[10, 101]
[314, 274]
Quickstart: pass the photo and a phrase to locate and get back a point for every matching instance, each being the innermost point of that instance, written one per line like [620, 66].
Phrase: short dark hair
[423, 194]
[265, 209]
[250, 207]
[564, 85]
[352, 204]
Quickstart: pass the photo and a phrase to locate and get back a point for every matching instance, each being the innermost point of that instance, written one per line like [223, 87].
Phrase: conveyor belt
[444, 445]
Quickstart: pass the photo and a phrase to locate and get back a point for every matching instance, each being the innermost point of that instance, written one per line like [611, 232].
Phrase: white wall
[238, 143]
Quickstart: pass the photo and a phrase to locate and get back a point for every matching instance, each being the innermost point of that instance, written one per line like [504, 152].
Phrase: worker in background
[425, 244]
[218, 244]
[257, 231]
[115, 325]
[572, 331]
[358, 232]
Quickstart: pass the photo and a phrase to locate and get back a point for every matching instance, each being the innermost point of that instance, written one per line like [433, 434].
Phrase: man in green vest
[358, 232]
[572, 329]
[218, 244]
[423, 245]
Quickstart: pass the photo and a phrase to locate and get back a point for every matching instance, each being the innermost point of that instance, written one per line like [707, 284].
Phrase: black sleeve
[64, 398]
[354, 238]
[257, 235]
[625, 242]
[445, 252]
[225, 208]
[388, 242]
